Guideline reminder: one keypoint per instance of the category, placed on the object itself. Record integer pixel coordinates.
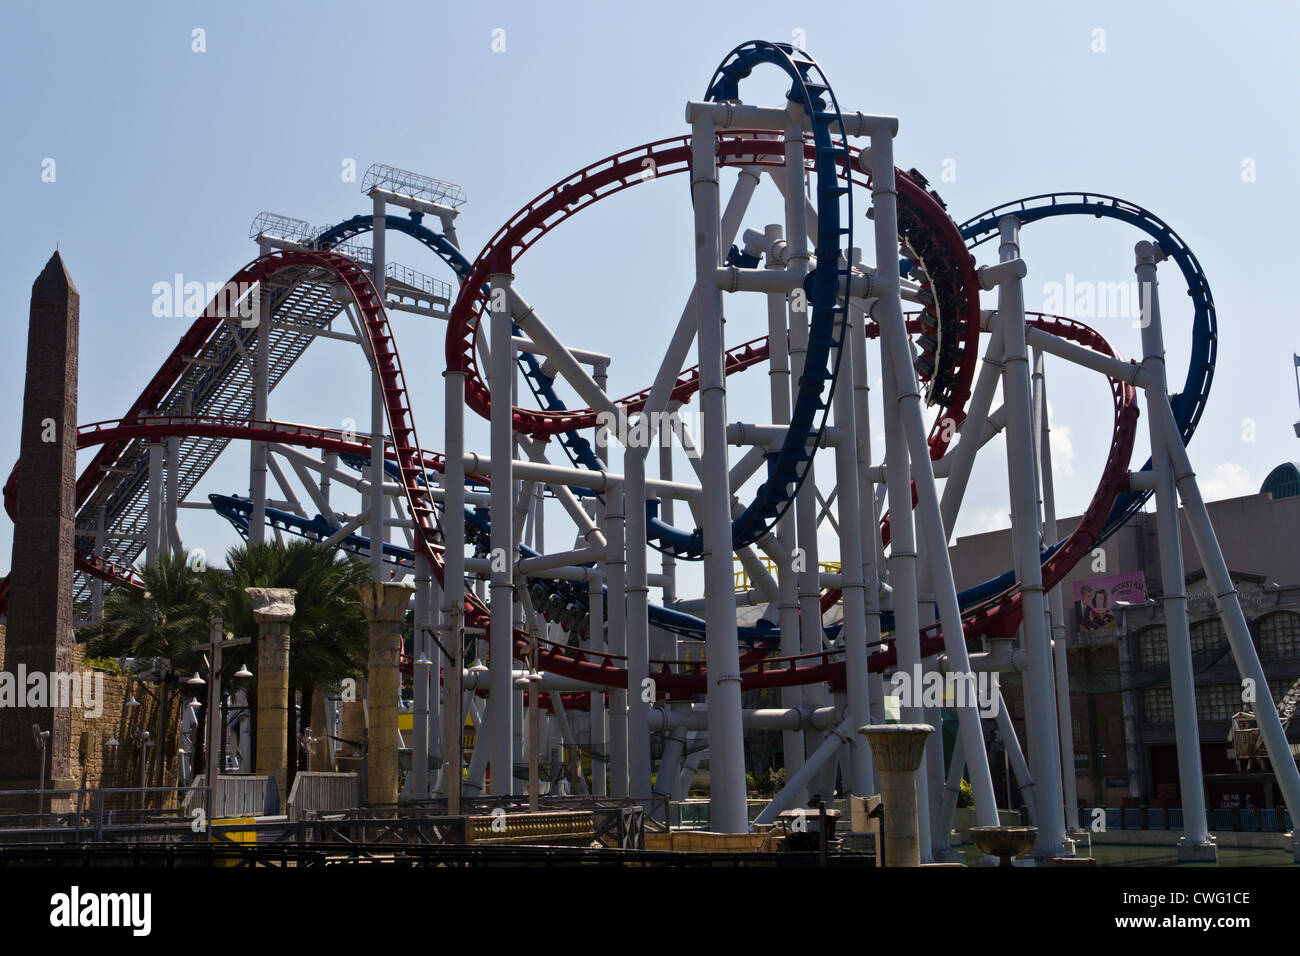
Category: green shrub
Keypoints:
(109, 665)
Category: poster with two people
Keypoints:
(1096, 598)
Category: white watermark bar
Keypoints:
(57, 689)
(476, 464)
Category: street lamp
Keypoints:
(216, 644)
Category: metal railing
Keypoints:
(91, 815)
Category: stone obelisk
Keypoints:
(39, 632)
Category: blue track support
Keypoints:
(788, 467)
(1187, 405)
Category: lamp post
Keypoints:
(143, 741)
(307, 741)
(212, 651)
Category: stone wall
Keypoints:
(93, 762)
(96, 764)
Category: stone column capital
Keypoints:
(271, 605)
(385, 601)
(897, 748)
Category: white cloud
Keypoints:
(1227, 480)
(992, 519)
(1062, 445)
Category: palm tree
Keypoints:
(166, 622)
(329, 634)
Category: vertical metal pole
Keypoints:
(1044, 740)
(419, 786)
(453, 536)
(868, 524)
(616, 578)
(171, 530)
(1271, 730)
(212, 715)
(903, 405)
(854, 633)
(807, 582)
(638, 623)
(1060, 659)
(674, 752)
(504, 553)
(778, 371)
(261, 402)
(903, 578)
(1181, 677)
(598, 637)
(727, 808)
(378, 500)
(154, 535)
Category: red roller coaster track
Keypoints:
(999, 615)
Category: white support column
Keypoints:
(616, 635)
(903, 416)
(419, 784)
(261, 401)
(453, 534)
(504, 552)
(727, 808)
(1026, 522)
(1242, 646)
(430, 627)
(903, 579)
(808, 585)
(598, 714)
(778, 371)
(1056, 603)
(171, 529)
(640, 690)
(1196, 840)
(854, 634)
(154, 535)
(597, 632)
(378, 531)
(1016, 759)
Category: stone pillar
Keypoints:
(39, 636)
(898, 750)
(385, 606)
(273, 611)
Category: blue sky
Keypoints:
(163, 156)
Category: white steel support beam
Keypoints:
(1026, 528)
(378, 503)
(504, 552)
(727, 813)
(453, 534)
(1182, 678)
(903, 412)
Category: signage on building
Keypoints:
(1248, 592)
(1096, 598)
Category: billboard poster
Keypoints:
(1096, 598)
